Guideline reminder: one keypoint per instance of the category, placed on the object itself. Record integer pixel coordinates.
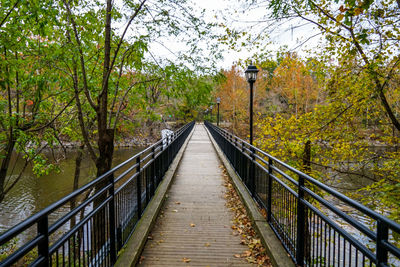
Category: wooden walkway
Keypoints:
(194, 227)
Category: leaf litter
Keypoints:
(187, 260)
(255, 252)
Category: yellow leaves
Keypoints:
(186, 260)
(339, 17)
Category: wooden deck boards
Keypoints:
(194, 227)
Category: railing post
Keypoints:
(300, 223)
(169, 150)
(235, 153)
(381, 251)
(111, 211)
(139, 188)
(269, 194)
(152, 172)
(243, 168)
(160, 163)
(146, 173)
(119, 237)
(43, 246)
(252, 172)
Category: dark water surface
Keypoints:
(32, 194)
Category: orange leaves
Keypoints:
(255, 252)
(293, 81)
(342, 9)
(234, 94)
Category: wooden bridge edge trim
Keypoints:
(277, 253)
(130, 253)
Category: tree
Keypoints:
(295, 85)
(340, 133)
(367, 31)
(29, 87)
(234, 100)
(118, 56)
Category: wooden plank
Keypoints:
(194, 227)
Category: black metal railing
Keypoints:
(99, 219)
(305, 214)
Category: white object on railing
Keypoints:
(164, 134)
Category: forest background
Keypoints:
(83, 72)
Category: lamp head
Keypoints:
(251, 73)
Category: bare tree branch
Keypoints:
(125, 95)
(81, 57)
(134, 15)
(9, 13)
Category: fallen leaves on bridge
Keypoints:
(242, 226)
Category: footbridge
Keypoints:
(165, 207)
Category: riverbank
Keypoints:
(145, 136)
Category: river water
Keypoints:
(31, 194)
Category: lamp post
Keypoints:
(251, 76)
(218, 101)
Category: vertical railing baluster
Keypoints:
(381, 251)
(300, 223)
(43, 245)
(139, 187)
(269, 196)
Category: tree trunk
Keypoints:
(78, 161)
(104, 161)
(307, 157)
(4, 166)
(387, 107)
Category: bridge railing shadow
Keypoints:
(98, 222)
(306, 215)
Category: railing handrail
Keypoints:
(35, 218)
(371, 213)
(237, 149)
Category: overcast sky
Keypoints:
(292, 34)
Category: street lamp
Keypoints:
(251, 76)
(218, 101)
